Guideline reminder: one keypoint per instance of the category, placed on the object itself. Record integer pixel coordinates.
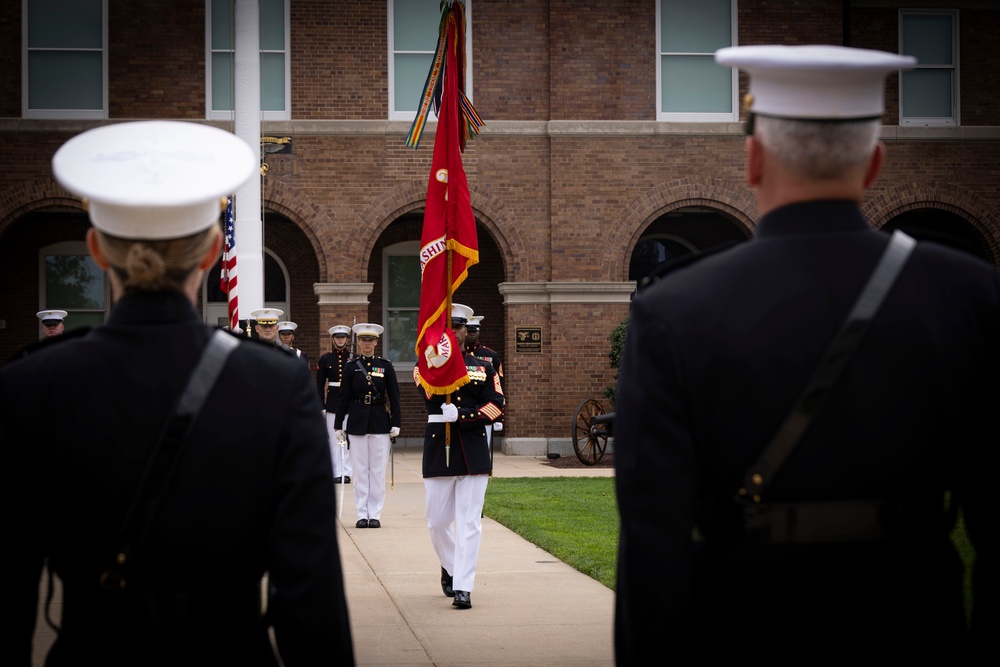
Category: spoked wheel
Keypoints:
(589, 439)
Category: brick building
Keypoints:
(612, 141)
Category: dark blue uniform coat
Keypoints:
(368, 388)
(479, 403)
(254, 494)
(715, 356)
(331, 369)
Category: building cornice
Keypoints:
(538, 128)
(566, 292)
(343, 294)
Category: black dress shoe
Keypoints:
(338, 480)
(347, 479)
(446, 582)
(463, 599)
(362, 523)
(374, 523)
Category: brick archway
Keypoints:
(308, 216)
(490, 212)
(903, 197)
(30, 196)
(665, 197)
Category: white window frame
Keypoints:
(214, 114)
(75, 248)
(431, 116)
(401, 249)
(730, 117)
(927, 121)
(84, 114)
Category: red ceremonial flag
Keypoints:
(448, 240)
(227, 277)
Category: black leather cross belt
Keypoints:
(836, 522)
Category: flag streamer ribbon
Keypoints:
(451, 41)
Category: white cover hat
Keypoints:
(815, 82)
(51, 314)
(287, 326)
(267, 315)
(475, 321)
(154, 179)
(367, 329)
(340, 330)
(461, 312)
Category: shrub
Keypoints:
(615, 355)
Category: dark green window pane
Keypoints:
(65, 80)
(401, 336)
(403, 281)
(223, 27)
(272, 82)
(73, 281)
(272, 25)
(415, 25)
(927, 93)
(65, 25)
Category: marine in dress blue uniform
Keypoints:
(329, 374)
(488, 354)
(368, 410)
(716, 354)
(455, 484)
(252, 494)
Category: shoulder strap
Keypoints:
(762, 472)
(163, 462)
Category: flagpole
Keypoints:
(447, 397)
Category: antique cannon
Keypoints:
(591, 428)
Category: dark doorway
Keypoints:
(946, 228)
(681, 232)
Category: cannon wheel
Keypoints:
(589, 440)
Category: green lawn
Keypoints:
(573, 518)
(576, 520)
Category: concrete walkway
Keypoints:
(528, 607)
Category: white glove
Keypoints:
(449, 412)
(341, 438)
(394, 431)
(497, 427)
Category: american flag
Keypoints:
(227, 277)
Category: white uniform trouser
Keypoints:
(370, 454)
(454, 519)
(340, 468)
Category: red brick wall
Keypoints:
(339, 60)
(603, 60)
(147, 84)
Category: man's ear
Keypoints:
(95, 250)
(874, 164)
(212, 256)
(755, 161)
